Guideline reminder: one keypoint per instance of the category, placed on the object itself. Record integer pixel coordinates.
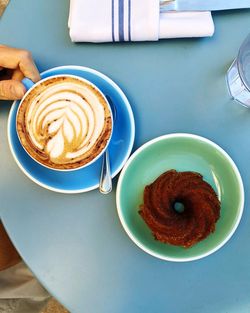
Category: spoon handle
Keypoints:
(105, 178)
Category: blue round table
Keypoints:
(75, 244)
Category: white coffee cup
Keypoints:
(64, 122)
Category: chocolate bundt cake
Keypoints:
(180, 208)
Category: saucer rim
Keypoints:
(132, 130)
(127, 228)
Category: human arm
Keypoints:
(8, 254)
(14, 65)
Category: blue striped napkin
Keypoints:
(133, 20)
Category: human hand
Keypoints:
(15, 64)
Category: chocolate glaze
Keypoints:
(201, 208)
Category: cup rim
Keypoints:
(89, 83)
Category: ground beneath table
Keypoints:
(54, 307)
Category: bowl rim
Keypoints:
(240, 206)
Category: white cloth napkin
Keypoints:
(133, 20)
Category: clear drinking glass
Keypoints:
(238, 75)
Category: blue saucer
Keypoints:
(87, 178)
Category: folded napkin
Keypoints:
(133, 20)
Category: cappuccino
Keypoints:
(64, 122)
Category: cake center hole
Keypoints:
(179, 207)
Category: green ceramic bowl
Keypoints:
(183, 152)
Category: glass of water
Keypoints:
(238, 75)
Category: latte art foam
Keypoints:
(66, 122)
(63, 123)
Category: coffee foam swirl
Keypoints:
(65, 121)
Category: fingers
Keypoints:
(13, 58)
(28, 67)
(17, 75)
(19, 63)
(11, 90)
